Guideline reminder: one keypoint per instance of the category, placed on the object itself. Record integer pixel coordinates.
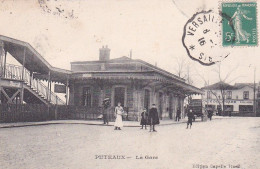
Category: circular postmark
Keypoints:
(201, 38)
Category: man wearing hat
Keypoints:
(153, 118)
(106, 105)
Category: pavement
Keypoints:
(95, 122)
(224, 142)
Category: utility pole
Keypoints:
(254, 105)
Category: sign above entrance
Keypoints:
(87, 75)
(59, 88)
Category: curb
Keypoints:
(93, 124)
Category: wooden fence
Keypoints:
(25, 112)
(40, 112)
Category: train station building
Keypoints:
(133, 82)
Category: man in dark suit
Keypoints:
(153, 118)
(106, 105)
(178, 115)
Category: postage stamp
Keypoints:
(239, 24)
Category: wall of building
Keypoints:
(236, 100)
(134, 97)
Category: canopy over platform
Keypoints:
(146, 77)
(25, 54)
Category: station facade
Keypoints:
(132, 82)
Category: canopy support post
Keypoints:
(23, 70)
(4, 63)
(67, 90)
(49, 87)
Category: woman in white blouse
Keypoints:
(118, 113)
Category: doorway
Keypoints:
(119, 96)
(146, 99)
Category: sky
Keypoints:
(152, 29)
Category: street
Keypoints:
(229, 143)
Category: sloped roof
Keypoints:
(123, 59)
(220, 85)
(242, 85)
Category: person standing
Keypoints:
(106, 105)
(210, 114)
(118, 113)
(190, 117)
(144, 118)
(153, 118)
(178, 115)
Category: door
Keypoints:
(119, 96)
(146, 99)
(87, 96)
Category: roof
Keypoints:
(34, 62)
(220, 85)
(242, 85)
(123, 59)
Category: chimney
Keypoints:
(104, 53)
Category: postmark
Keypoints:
(239, 26)
(201, 38)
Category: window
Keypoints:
(246, 95)
(87, 96)
(208, 95)
(229, 94)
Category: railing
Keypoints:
(15, 72)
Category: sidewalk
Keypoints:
(96, 122)
(84, 122)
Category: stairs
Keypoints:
(34, 90)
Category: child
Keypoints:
(190, 117)
(144, 118)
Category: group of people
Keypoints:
(150, 117)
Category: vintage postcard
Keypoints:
(129, 84)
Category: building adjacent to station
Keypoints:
(132, 82)
(239, 98)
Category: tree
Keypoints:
(223, 85)
(182, 70)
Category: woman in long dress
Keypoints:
(118, 113)
(241, 34)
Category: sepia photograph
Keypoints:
(129, 84)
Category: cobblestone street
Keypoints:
(233, 141)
